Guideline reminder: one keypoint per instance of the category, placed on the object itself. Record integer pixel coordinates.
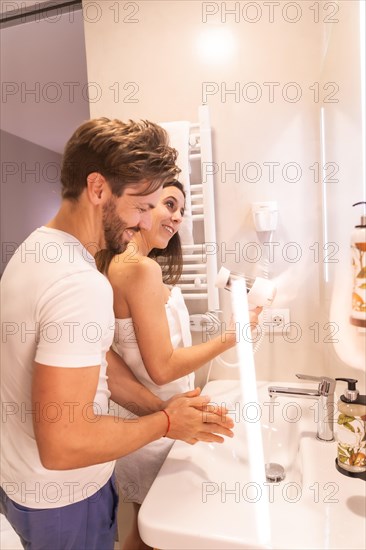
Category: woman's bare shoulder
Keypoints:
(134, 268)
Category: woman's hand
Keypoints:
(253, 321)
(253, 316)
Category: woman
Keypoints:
(152, 332)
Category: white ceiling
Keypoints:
(10, 5)
(48, 57)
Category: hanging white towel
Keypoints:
(179, 139)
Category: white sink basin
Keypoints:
(204, 496)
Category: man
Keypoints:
(59, 444)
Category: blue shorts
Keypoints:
(86, 525)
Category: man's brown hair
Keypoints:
(124, 153)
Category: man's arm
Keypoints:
(127, 391)
(77, 437)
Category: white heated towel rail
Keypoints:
(200, 263)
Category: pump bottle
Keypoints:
(358, 250)
(351, 432)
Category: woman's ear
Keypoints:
(97, 188)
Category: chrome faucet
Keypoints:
(325, 395)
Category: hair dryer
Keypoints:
(261, 292)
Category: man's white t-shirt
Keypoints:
(57, 310)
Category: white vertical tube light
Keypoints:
(324, 190)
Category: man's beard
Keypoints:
(113, 228)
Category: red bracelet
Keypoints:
(168, 428)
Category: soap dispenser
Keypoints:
(351, 432)
(358, 251)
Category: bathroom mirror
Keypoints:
(284, 83)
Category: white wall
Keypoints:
(7, 6)
(43, 79)
(42, 64)
(30, 190)
(149, 53)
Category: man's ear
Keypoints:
(97, 188)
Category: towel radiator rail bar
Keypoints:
(202, 195)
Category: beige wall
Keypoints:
(149, 53)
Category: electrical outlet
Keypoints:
(276, 319)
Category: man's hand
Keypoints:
(193, 418)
